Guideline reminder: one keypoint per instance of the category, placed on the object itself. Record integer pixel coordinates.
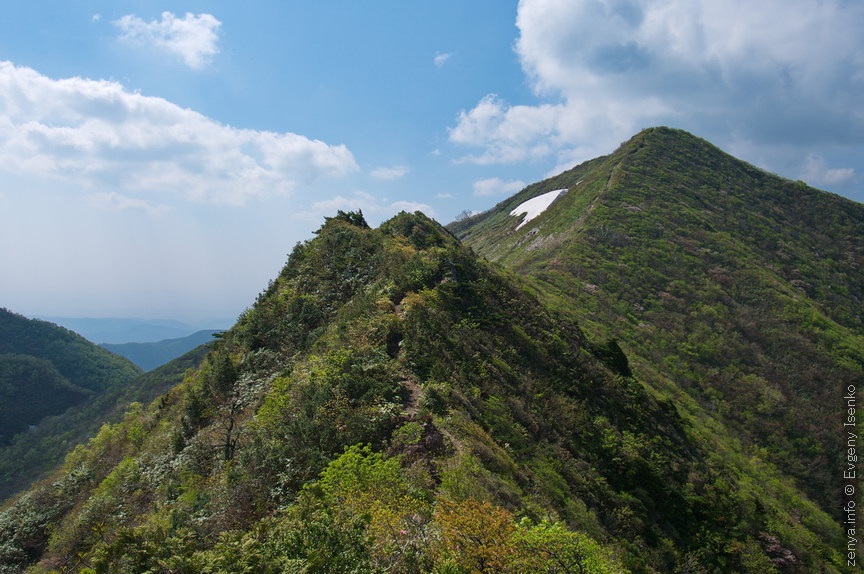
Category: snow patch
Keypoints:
(536, 205)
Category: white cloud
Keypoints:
(358, 200)
(98, 134)
(394, 172)
(443, 195)
(193, 37)
(116, 202)
(412, 206)
(440, 59)
(507, 133)
(95, 17)
(497, 186)
(375, 209)
(816, 172)
(788, 71)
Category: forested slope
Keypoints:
(45, 369)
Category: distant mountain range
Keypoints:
(148, 356)
(119, 330)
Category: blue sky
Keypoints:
(160, 159)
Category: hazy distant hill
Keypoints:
(148, 356)
(118, 330)
(80, 361)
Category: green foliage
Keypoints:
(479, 537)
(407, 435)
(422, 232)
(354, 218)
(549, 547)
(613, 357)
(475, 404)
(365, 484)
(344, 396)
(359, 469)
(221, 374)
(24, 526)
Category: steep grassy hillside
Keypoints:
(392, 403)
(739, 288)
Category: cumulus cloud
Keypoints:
(510, 133)
(192, 38)
(497, 186)
(394, 172)
(440, 59)
(816, 172)
(768, 72)
(97, 133)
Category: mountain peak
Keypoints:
(656, 169)
(667, 137)
(725, 280)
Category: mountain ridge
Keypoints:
(723, 279)
(391, 402)
(118, 330)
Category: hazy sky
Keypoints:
(160, 159)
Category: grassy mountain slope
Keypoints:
(739, 288)
(45, 369)
(148, 356)
(499, 439)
